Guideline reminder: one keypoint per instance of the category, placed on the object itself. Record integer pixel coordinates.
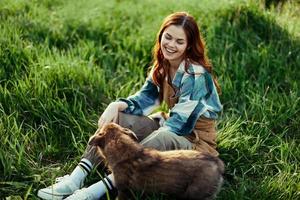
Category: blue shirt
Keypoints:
(197, 96)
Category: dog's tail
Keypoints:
(220, 168)
(219, 163)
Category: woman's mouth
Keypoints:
(169, 50)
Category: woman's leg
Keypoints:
(164, 140)
(141, 125)
(95, 191)
(148, 132)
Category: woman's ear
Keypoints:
(97, 141)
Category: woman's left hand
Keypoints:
(111, 113)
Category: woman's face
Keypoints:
(173, 44)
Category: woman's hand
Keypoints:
(160, 117)
(111, 112)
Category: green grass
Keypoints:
(62, 62)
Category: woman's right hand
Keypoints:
(111, 112)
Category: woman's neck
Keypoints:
(174, 65)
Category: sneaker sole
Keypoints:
(49, 196)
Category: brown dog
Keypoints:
(182, 174)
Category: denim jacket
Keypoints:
(197, 96)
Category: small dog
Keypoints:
(182, 174)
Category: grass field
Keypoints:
(62, 62)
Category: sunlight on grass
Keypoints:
(62, 62)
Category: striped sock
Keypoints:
(100, 188)
(108, 182)
(86, 165)
(81, 171)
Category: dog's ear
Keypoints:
(97, 140)
(130, 133)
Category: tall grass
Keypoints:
(62, 62)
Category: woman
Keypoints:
(181, 76)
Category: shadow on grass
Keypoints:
(256, 57)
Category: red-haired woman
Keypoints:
(181, 76)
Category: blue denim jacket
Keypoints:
(197, 97)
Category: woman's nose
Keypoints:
(172, 43)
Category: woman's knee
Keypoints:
(155, 140)
(142, 126)
(164, 136)
(166, 140)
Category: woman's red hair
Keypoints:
(195, 52)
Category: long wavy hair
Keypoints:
(195, 51)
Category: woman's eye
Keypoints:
(180, 42)
(168, 37)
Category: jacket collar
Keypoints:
(179, 74)
(192, 69)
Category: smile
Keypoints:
(169, 50)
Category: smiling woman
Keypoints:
(173, 44)
(181, 76)
(179, 39)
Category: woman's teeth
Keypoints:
(170, 51)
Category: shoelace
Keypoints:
(59, 179)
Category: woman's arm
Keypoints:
(141, 103)
(144, 101)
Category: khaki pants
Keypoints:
(146, 130)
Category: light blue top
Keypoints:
(197, 94)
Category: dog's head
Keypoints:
(109, 132)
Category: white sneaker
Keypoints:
(81, 194)
(63, 187)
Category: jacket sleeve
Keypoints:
(144, 101)
(190, 106)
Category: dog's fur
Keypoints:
(183, 174)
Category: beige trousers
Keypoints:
(146, 130)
